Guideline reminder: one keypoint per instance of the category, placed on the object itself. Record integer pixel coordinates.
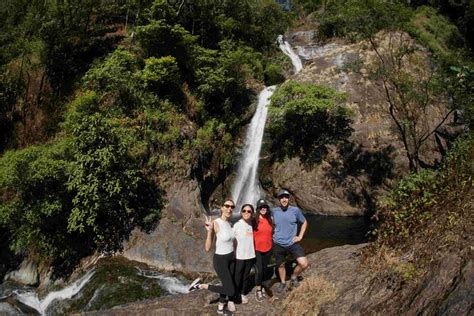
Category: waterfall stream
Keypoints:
(41, 305)
(246, 188)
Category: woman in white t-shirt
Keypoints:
(244, 252)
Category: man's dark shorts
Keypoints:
(281, 252)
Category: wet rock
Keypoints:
(27, 274)
(8, 310)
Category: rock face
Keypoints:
(178, 242)
(27, 274)
(347, 181)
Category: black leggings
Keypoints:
(224, 266)
(261, 268)
(242, 271)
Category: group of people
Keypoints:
(256, 235)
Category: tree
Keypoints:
(305, 119)
(410, 81)
(412, 92)
(111, 195)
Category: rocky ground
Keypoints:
(339, 264)
(354, 290)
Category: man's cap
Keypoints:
(283, 192)
(261, 203)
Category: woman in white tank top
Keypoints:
(221, 231)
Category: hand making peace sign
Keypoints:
(208, 223)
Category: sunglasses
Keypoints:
(229, 206)
(246, 211)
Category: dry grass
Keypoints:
(308, 298)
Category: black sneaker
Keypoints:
(259, 296)
(281, 288)
(195, 285)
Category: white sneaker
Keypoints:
(231, 306)
(195, 285)
(220, 308)
(244, 299)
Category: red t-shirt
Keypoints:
(263, 236)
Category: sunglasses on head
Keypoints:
(229, 206)
(246, 211)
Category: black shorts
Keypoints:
(281, 252)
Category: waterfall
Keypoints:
(288, 51)
(246, 188)
(31, 298)
(171, 284)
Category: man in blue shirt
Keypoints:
(286, 240)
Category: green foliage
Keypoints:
(132, 113)
(427, 195)
(111, 196)
(161, 73)
(305, 119)
(437, 33)
(212, 134)
(273, 74)
(362, 19)
(460, 12)
(158, 39)
(115, 282)
(254, 22)
(35, 198)
(220, 78)
(80, 194)
(462, 87)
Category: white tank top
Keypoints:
(224, 238)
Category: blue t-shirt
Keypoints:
(286, 224)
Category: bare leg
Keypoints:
(302, 265)
(282, 272)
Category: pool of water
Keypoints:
(330, 231)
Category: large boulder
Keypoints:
(27, 273)
(177, 244)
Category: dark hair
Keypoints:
(226, 200)
(256, 218)
(248, 204)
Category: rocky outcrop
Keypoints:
(177, 244)
(349, 179)
(446, 290)
(27, 273)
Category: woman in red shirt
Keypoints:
(262, 234)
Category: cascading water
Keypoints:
(286, 48)
(171, 284)
(246, 188)
(31, 298)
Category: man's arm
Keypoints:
(302, 231)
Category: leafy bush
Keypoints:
(77, 195)
(161, 73)
(111, 196)
(305, 119)
(437, 33)
(35, 200)
(273, 75)
(356, 19)
(423, 196)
